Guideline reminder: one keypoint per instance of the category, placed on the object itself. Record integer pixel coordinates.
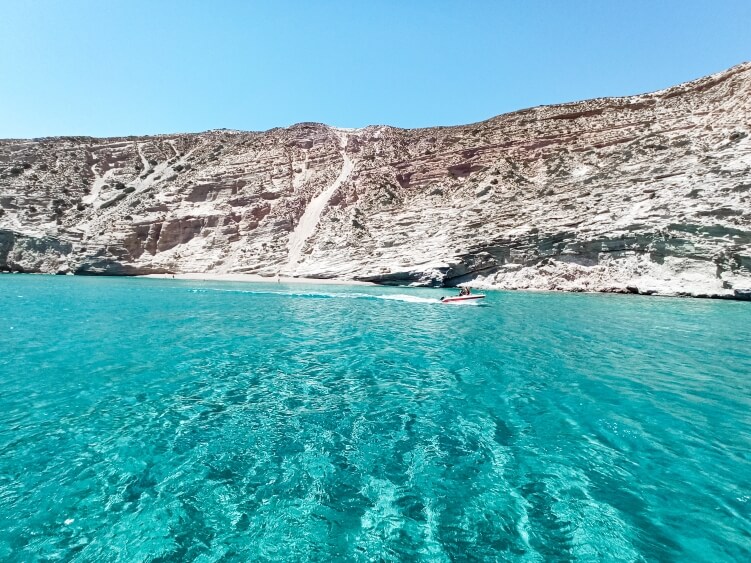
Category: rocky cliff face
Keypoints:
(648, 194)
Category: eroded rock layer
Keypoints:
(647, 194)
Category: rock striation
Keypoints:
(643, 194)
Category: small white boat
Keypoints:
(457, 299)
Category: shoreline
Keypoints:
(739, 295)
(252, 278)
(256, 278)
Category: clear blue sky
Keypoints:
(119, 67)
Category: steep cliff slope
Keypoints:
(648, 193)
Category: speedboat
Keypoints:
(457, 299)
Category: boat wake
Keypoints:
(323, 295)
(408, 298)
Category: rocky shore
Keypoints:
(647, 194)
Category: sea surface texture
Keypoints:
(161, 420)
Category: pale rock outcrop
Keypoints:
(642, 194)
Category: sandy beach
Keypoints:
(253, 278)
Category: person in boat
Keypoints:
(462, 292)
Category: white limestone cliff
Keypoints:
(641, 194)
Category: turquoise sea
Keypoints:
(163, 420)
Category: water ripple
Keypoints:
(153, 420)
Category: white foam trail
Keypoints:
(321, 294)
(326, 295)
(407, 298)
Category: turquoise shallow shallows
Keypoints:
(162, 420)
